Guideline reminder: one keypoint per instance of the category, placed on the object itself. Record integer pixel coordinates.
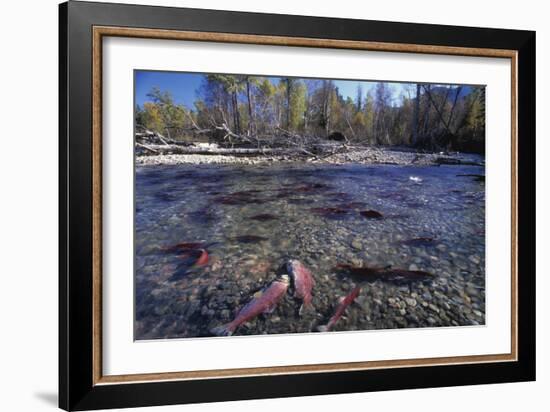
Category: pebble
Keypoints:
(474, 259)
(411, 302)
(477, 313)
(433, 307)
(356, 262)
(148, 249)
(456, 297)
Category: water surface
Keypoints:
(254, 218)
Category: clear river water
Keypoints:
(251, 219)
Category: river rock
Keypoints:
(411, 302)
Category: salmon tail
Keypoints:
(223, 330)
(305, 307)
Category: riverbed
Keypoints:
(251, 219)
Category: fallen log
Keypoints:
(147, 147)
(177, 149)
(453, 161)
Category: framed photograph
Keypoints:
(257, 205)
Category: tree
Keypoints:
(251, 123)
(349, 111)
(415, 116)
(326, 94)
(267, 110)
(233, 85)
(359, 97)
(297, 106)
(382, 101)
(368, 110)
(264, 100)
(289, 84)
(151, 118)
(162, 114)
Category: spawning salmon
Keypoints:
(344, 303)
(303, 282)
(265, 303)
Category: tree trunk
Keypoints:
(458, 90)
(415, 116)
(251, 121)
(288, 86)
(236, 113)
(438, 111)
(326, 109)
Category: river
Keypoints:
(252, 219)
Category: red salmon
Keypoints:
(203, 258)
(265, 303)
(303, 282)
(344, 303)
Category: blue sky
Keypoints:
(183, 86)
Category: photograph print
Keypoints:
(282, 205)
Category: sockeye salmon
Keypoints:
(189, 260)
(303, 282)
(203, 258)
(344, 303)
(265, 303)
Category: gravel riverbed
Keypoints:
(253, 219)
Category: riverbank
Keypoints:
(362, 155)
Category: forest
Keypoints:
(267, 112)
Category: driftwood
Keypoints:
(148, 137)
(235, 151)
(147, 147)
(313, 152)
(276, 142)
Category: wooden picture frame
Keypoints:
(82, 385)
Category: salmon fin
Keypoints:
(223, 330)
(305, 307)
